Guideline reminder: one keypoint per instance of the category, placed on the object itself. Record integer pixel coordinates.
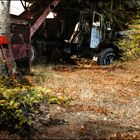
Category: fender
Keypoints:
(114, 45)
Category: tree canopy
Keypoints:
(118, 11)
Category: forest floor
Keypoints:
(105, 101)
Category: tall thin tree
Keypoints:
(4, 17)
(5, 30)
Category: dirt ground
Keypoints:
(105, 101)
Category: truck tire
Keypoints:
(106, 56)
(34, 55)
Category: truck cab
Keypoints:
(96, 39)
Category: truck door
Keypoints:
(96, 30)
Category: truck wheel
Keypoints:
(106, 56)
(34, 55)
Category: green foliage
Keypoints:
(131, 42)
(58, 100)
(119, 13)
(19, 104)
(3, 70)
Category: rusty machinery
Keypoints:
(24, 41)
(7, 64)
(23, 27)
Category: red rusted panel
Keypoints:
(22, 33)
(21, 50)
(4, 40)
(20, 39)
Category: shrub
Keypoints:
(131, 42)
(18, 104)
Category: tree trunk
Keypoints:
(5, 23)
(4, 17)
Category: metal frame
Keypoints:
(42, 17)
(25, 6)
(23, 50)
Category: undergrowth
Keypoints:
(19, 104)
(131, 42)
